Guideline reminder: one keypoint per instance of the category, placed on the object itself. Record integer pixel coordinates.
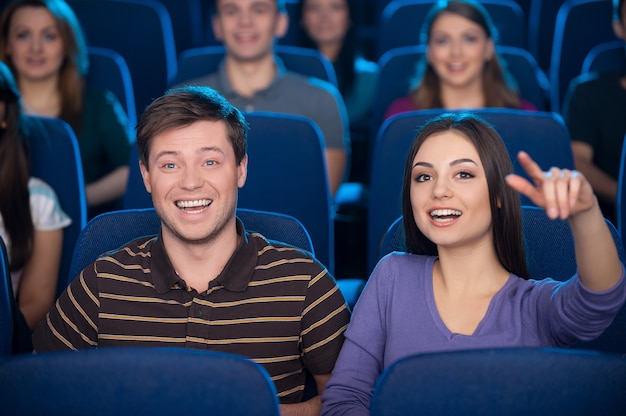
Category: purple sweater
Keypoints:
(396, 317)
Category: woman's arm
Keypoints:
(38, 283)
(567, 194)
(108, 188)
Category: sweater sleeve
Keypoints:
(360, 362)
(568, 312)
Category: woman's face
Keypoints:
(34, 44)
(458, 49)
(326, 21)
(449, 192)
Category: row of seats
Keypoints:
(160, 381)
(304, 192)
(151, 50)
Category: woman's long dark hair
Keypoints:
(349, 52)
(506, 214)
(498, 87)
(14, 175)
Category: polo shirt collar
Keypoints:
(229, 93)
(235, 276)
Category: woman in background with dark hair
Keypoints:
(31, 220)
(464, 282)
(331, 27)
(460, 69)
(43, 44)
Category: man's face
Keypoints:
(194, 179)
(248, 28)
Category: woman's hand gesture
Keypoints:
(563, 193)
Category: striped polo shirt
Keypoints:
(272, 302)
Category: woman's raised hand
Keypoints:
(563, 193)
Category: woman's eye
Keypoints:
(423, 177)
(470, 39)
(465, 175)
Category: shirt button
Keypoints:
(198, 313)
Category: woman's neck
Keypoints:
(471, 96)
(467, 271)
(330, 50)
(41, 98)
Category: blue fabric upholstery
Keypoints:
(542, 381)
(579, 26)
(141, 381)
(397, 67)
(201, 61)
(543, 135)
(108, 70)
(113, 229)
(606, 57)
(55, 158)
(139, 30)
(401, 22)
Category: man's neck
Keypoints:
(199, 264)
(248, 77)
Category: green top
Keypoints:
(103, 137)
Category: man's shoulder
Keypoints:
(133, 252)
(311, 84)
(594, 83)
(209, 80)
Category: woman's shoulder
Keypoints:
(400, 261)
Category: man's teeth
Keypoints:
(200, 203)
(444, 212)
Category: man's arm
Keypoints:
(336, 165)
(603, 184)
(312, 406)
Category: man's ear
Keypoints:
(619, 30)
(145, 174)
(217, 28)
(282, 25)
(242, 172)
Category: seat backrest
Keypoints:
(398, 66)
(7, 303)
(549, 249)
(112, 230)
(108, 70)
(401, 22)
(55, 158)
(541, 18)
(511, 381)
(154, 381)
(286, 174)
(605, 57)
(139, 30)
(543, 135)
(187, 23)
(580, 25)
(198, 62)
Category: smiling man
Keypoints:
(253, 78)
(205, 282)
